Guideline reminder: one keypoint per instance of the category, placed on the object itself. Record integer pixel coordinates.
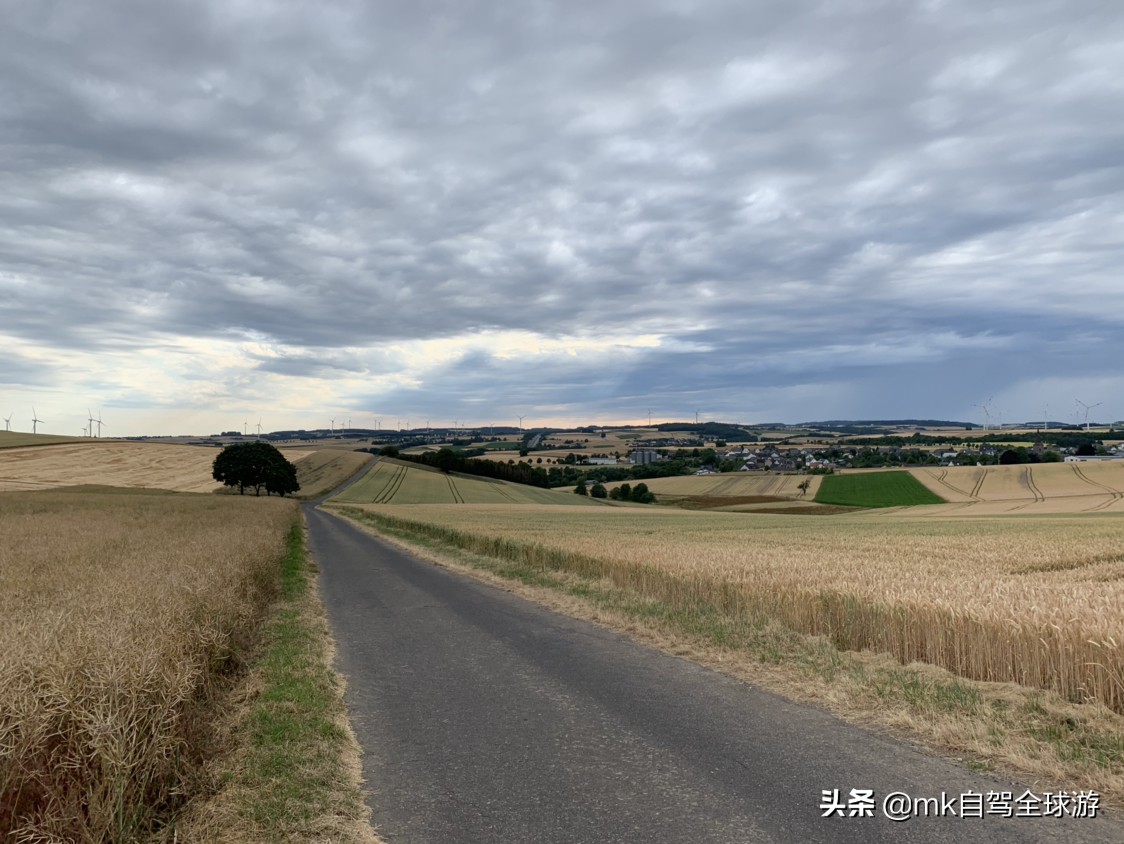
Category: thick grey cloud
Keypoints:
(884, 208)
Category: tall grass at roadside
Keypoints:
(119, 617)
(1035, 602)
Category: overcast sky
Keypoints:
(213, 212)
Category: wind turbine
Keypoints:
(98, 422)
(259, 426)
(90, 422)
(696, 417)
(521, 418)
(35, 420)
(8, 423)
(1045, 417)
(333, 428)
(1088, 407)
(986, 408)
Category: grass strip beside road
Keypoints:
(1031, 732)
(875, 489)
(295, 773)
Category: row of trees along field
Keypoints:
(448, 459)
(254, 466)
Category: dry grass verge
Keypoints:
(1034, 732)
(120, 618)
(293, 772)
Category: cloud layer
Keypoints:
(566, 210)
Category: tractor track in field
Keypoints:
(1114, 494)
(942, 480)
(975, 493)
(393, 484)
(1026, 478)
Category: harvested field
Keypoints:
(1029, 489)
(393, 482)
(183, 468)
(321, 470)
(18, 439)
(119, 617)
(1034, 601)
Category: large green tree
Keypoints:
(253, 466)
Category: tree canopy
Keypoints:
(255, 465)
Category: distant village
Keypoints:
(774, 458)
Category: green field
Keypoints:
(511, 445)
(875, 489)
(395, 482)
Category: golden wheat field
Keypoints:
(1038, 601)
(118, 612)
(181, 468)
(1027, 489)
(108, 463)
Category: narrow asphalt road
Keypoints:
(486, 718)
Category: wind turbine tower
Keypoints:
(986, 408)
(89, 422)
(8, 423)
(1087, 408)
(98, 422)
(259, 426)
(35, 420)
(521, 418)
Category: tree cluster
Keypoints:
(450, 460)
(639, 493)
(625, 492)
(253, 466)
